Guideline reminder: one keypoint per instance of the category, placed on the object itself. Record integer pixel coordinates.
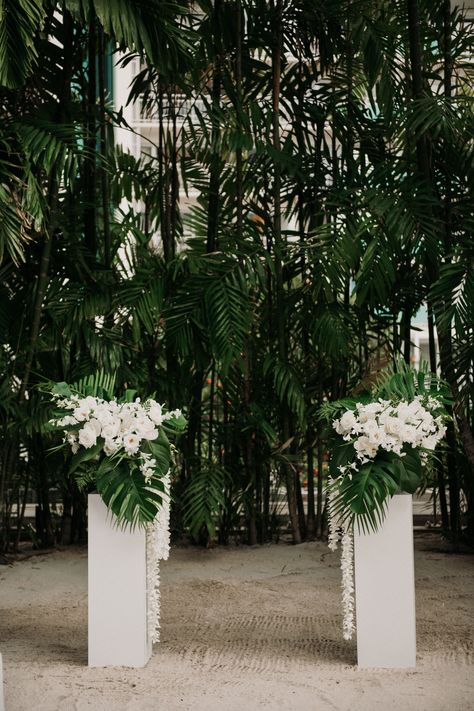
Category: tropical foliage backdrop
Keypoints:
(350, 122)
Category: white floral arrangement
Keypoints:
(121, 448)
(390, 426)
(379, 446)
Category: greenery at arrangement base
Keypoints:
(380, 443)
(120, 447)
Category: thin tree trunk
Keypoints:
(90, 167)
(103, 149)
(278, 248)
(239, 109)
(311, 513)
(44, 519)
(300, 504)
(215, 162)
(319, 499)
(21, 511)
(41, 288)
(432, 341)
(211, 412)
(439, 464)
(407, 335)
(174, 177)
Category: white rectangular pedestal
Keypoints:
(118, 633)
(385, 590)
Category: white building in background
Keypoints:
(420, 339)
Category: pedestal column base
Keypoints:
(385, 590)
(118, 630)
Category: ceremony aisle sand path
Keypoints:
(242, 629)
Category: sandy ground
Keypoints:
(242, 628)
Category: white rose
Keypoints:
(366, 415)
(81, 413)
(96, 426)
(155, 413)
(392, 425)
(364, 448)
(370, 426)
(348, 421)
(111, 430)
(376, 437)
(403, 410)
(127, 422)
(90, 401)
(87, 436)
(111, 446)
(145, 428)
(103, 414)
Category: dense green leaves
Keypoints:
(127, 495)
(204, 500)
(263, 264)
(147, 26)
(20, 21)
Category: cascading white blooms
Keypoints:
(157, 549)
(338, 531)
(380, 425)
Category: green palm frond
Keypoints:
(333, 330)
(20, 21)
(49, 145)
(360, 498)
(287, 385)
(127, 495)
(203, 499)
(361, 501)
(226, 304)
(148, 26)
(99, 384)
(399, 381)
(14, 223)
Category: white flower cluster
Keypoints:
(337, 531)
(347, 584)
(334, 524)
(157, 548)
(388, 426)
(121, 426)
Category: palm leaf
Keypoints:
(361, 500)
(14, 222)
(126, 493)
(20, 21)
(204, 499)
(99, 384)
